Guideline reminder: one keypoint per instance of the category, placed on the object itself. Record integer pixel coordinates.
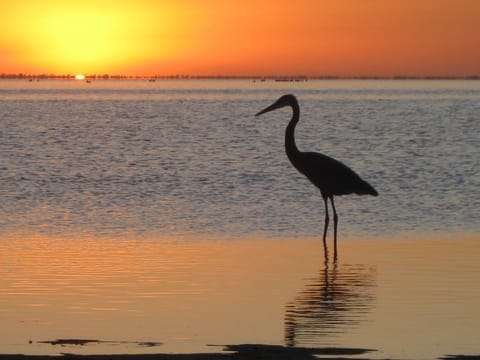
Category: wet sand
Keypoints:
(246, 351)
(240, 352)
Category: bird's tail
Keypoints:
(366, 189)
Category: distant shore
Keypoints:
(31, 77)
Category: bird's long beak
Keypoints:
(272, 107)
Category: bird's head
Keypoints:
(285, 100)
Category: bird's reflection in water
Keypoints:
(336, 301)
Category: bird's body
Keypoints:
(331, 176)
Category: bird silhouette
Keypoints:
(331, 176)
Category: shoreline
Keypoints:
(234, 352)
(243, 351)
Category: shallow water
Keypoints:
(409, 299)
(189, 157)
(135, 212)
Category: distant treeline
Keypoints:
(226, 77)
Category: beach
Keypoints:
(247, 351)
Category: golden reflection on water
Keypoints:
(407, 298)
(333, 302)
(184, 294)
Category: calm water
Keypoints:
(189, 157)
(166, 212)
(407, 299)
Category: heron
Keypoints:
(329, 175)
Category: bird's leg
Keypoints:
(325, 225)
(335, 223)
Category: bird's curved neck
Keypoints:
(290, 145)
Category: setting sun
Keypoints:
(80, 77)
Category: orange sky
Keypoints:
(248, 37)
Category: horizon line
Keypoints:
(46, 76)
